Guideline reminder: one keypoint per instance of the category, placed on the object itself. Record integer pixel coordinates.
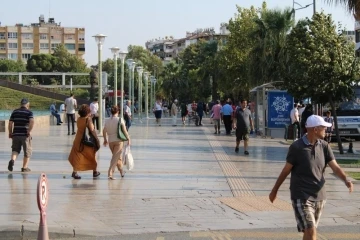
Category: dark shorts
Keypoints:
(24, 142)
(242, 134)
(307, 213)
(158, 114)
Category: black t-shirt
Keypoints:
(309, 163)
(21, 118)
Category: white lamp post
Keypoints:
(133, 66)
(122, 56)
(140, 71)
(146, 80)
(129, 63)
(100, 39)
(153, 80)
(115, 51)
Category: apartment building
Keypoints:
(163, 48)
(21, 41)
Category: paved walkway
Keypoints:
(186, 179)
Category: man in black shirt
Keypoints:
(20, 126)
(306, 161)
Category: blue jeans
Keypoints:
(58, 119)
(128, 124)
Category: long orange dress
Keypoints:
(82, 157)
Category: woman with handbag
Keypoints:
(115, 134)
(83, 153)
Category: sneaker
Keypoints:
(25, 170)
(236, 149)
(11, 165)
(58, 124)
(215, 132)
(73, 133)
(68, 133)
(246, 153)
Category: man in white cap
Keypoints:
(174, 112)
(306, 161)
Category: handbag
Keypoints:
(89, 139)
(129, 160)
(120, 133)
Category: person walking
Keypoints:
(243, 124)
(226, 114)
(158, 111)
(184, 112)
(295, 119)
(94, 110)
(329, 130)
(216, 112)
(21, 124)
(200, 111)
(308, 111)
(174, 112)
(116, 145)
(306, 160)
(83, 157)
(127, 115)
(55, 113)
(70, 106)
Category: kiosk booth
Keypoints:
(271, 110)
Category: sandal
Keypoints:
(96, 174)
(75, 175)
(122, 173)
(112, 178)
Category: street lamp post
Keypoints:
(133, 87)
(122, 56)
(129, 62)
(146, 79)
(115, 51)
(153, 80)
(140, 72)
(302, 7)
(100, 38)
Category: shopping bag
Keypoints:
(129, 160)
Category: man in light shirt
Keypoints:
(70, 106)
(174, 112)
(216, 116)
(295, 119)
(94, 108)
(127, 115)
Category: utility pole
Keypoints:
(314, 5)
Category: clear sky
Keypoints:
(133, 22)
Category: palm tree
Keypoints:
(352, 5)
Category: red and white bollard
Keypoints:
(42, 200)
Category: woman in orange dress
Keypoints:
(82, 157)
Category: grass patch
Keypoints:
(10, 100)
(348, 161)
(354, 175)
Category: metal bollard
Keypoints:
(42, 200)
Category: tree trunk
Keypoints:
(336, 126)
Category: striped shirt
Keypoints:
(21, 118)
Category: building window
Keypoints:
(12, 56)
(2, 35)
(27, 46)
(81, 47)
(27, 36)
(54, 45)
(2, 56)
(357, 36)
(12, 35)
(2, 46)
(13, 45)
(44, 46)
(43, 36)
(26, 56)
(69, 36)
(81, 37)
(70, 46)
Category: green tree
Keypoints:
(352, 5)
(7, 65)
(41, 63)
(321, 63)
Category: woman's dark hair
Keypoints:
(308, 107)
(114, 109)
(84, 110)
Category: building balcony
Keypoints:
(81, 49)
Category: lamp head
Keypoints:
(100, 38)
(129, 62)
(115, 50)
(122, 55)
(139, 70)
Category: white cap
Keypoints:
(175, 100)
(315, 121)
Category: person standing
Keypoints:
(55, 113)
(158, 111)
(200, 111)
(306, 160)
(94, 110)
(216, 112)
(308, 111)
(20, 126)
(329, 130)
(227, 113)
(116, 145)
(243, 124)
(295, 119)
(82, 157)
(174, 112)
(127, 115)
(70, 106)
(184, 112)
